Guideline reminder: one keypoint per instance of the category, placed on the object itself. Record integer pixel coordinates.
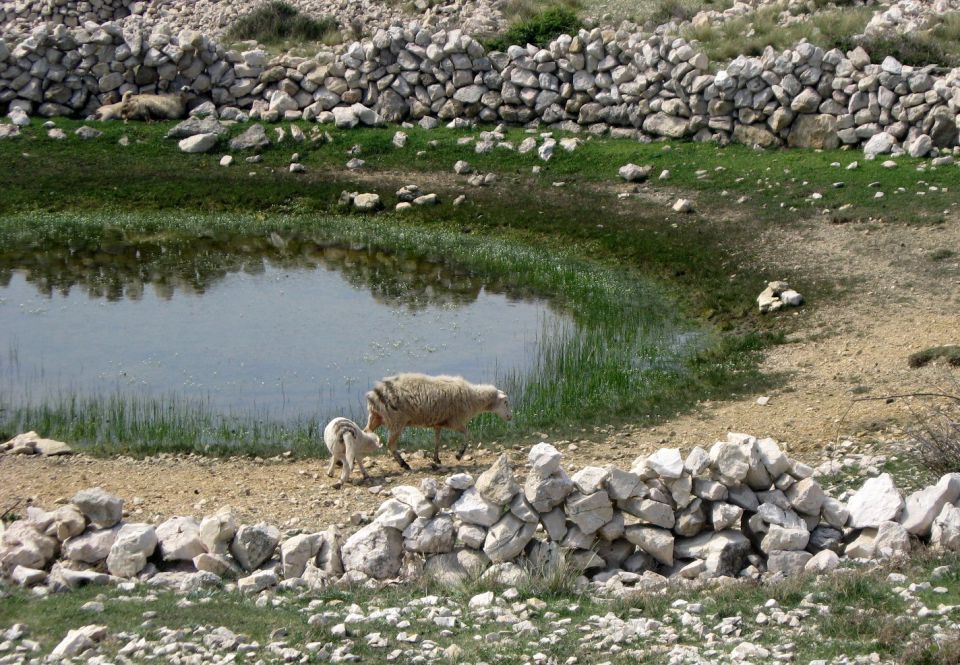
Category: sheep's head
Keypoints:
(373, 440)
(501, 406)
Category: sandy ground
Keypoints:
(900, 301)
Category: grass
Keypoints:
(537, 27)
(937, 43)
(275, 22)
(750, 34)
(703, 263)
(853, 613)
(949, 354)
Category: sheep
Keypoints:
(348, 444)
(439, 402)
(109, 112)
(154, 107)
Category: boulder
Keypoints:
(806, 496)
(430, 535)
(879, 144)
(395, 514)
(22, 544)
(823, 561)
(589, 511)
(254, 138)
(375, 550)
(667, 462)
(544, 459)
(91, 547)
(194, 125)
(923, 506)
(367, 202)
(634, 173)
(789, 563)
(252, 545)
(416, 499)
(296, 552)
(257, 582)
(658, 543)
(945, 531)
(129, 553)
(876, 502)
(497, 484)
(456, 568)
(507, 538)
(811, 130)
(623, 485)
(217, 531)
(546, 492)
(99, 506)
(782, 538)
(198, 143)
(725, 551)
(590, 479)
(179, 539)
(473, 508)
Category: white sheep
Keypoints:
(154, 107)
(439, 402)
(348, 445)
(109, 112)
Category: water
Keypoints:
(256, 326)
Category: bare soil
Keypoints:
(892, 299)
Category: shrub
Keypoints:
(936, 434)
(950, 353)
(277, 21)
(538, 29)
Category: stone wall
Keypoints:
(20, 15)
(741, 509)
(598, 80)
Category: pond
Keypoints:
(269, 326)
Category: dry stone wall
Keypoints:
(740, 509)
(21, 15)
(597, 80)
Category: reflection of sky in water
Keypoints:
(291, 341)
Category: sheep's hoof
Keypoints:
(337, 485)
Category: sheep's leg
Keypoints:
(333, 463)
(436, 446)
(373, 421)
(392, 447)
(463, 448)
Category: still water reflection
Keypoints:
(281, 327)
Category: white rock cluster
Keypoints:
(599, 80)
(742, 508)
(909, 16)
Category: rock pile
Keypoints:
(776, 296)
(742, 508)
(599, 80)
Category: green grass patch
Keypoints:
(537, 28)
(276, 22)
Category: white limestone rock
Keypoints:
(179, 539)
(129, 553)
(923, 506)
(254, 544)
(375, 550)
(876, 502)
(99, 506)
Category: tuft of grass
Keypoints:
(949, 354)
(752, 33)
(277, 21)
(938, 43)
(537, 29)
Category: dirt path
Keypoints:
(901, 301)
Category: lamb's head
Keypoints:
(371, 441)
(501, 406)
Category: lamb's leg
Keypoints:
(463, 430)
(347, 467)
(436, 446)
(333, 463)
(392, 447)
(366, 476)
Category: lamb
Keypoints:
(348, 444)
(109, 112)
(439, 402)
(154, 107)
